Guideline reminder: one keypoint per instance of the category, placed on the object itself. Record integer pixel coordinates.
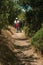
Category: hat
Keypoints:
(16, 18)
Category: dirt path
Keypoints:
(24, 50)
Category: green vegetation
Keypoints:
(14, 11)
(30, 11)
(4, 10)
(34, 18)
(8, 12)
(37, 40)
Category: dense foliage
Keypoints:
(4, 13)
(14, 11)
(34, 17)
(37, 40)
(8, 11)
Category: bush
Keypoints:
(29, 32)
(37, 40)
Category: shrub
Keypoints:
(29, 32)
(37, 40)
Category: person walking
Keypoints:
(21, 25)
(16, 23)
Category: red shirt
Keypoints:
(17, 25)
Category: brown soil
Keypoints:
(23, 48)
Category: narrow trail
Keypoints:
(24, 50)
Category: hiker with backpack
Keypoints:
(16, 24)
(20, 25)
